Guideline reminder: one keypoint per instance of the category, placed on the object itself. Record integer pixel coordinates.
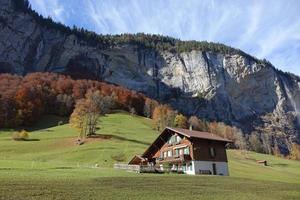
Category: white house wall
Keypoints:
(221, 167)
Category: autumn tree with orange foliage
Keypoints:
(295, 152)
(181, 121)
(163, 116)
(78, 118)
(87, 111)
(149, 107)
(29, 105)
(24, 99)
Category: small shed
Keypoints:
(264, 162)
(137, 160)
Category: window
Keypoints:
(169, 153)
(212, 152)
(174, 139)
(177, 138)
(170, 140)
(186, 151)
(161, 154)
(165, 154)
(176, 152)
(180, 151)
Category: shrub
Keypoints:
(21, 135)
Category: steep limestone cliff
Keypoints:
(228, 87)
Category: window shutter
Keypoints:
(212, 152)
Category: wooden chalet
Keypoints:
(186, 151)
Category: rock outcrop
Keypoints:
(231, 88)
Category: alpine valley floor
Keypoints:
(52, 166)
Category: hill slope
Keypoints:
(211, 81)
(53, 167)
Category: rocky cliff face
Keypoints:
(231, 88)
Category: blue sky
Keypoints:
(265, 28)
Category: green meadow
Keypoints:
(52, 166)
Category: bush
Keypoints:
(21, 135)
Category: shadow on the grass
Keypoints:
(104, 136)
(46, 122)
(279, 165)
(32, 140)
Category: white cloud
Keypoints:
(255, 12)
(52, 8)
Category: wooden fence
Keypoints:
(135, 168)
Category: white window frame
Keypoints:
(186, 149)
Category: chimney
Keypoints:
(191, 127)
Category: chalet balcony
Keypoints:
(174, 159)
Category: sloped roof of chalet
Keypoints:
(165, 134)
(136, 156)
(199, 134)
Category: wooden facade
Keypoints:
(202, 150)
(188, 151)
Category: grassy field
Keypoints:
(52, 166)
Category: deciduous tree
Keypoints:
(255, 143)
(87, 111)
(160, 117)
(295, 152)
(180, 121)
(195, 123)
(78, 118)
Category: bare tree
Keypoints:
(239, 138)
(195, 123)
(255, 143)
(266, 143)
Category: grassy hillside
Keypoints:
(52, 166)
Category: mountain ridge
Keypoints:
(152, 41)
(212, 81)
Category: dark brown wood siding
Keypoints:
(201, 150)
